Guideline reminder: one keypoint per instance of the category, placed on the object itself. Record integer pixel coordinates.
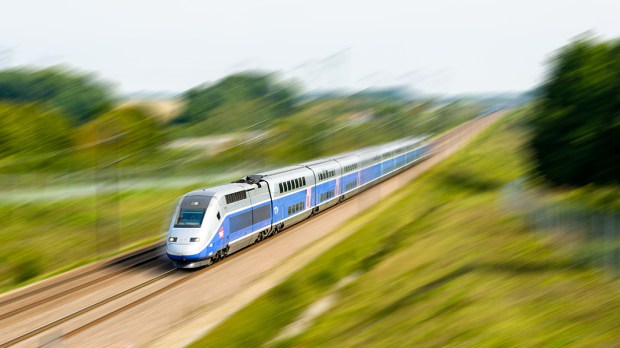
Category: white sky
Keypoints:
(433, 46)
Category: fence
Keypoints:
(589, 236)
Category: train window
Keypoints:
(190, 218)
(296, 183)
(261, 213)
(289, 210)
(280, 184)
(304, 180)
(218, 215)
(241, 221)
(288, 184)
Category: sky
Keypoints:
(439, 46)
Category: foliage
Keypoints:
(28, 130)
(80, 96)
(577, 127)
(443, 266)
(238, 101)
(120, 133)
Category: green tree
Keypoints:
(120, 133)
(80, 96)
(31, 129)
(577, 126)
(206, 102)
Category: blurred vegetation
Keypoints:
(79, 96)
(439, 264)
(31, 129)
(120, 133)
(82, 176)
(266, 120)
(576, 138)
(236, 102)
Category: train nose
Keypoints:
(181, 249)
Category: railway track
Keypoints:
(186, 275)
(48, 292)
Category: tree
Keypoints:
(32, 129)
(120, 133)
(79, 96)
(577, 126)
(207, 101)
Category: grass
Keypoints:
(444, 265)
(41, 238)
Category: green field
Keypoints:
(43, 237)
(446, 264)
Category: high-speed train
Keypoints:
(211, 223)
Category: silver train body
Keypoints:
(211, 223)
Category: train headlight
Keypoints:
(172, 239)
(194, 239)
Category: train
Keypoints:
(211, 223)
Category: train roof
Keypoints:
(281, 170)
(341, 156)
(220, 190)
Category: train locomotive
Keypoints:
(211, 223)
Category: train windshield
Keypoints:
(190, 218)
(192, 211)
